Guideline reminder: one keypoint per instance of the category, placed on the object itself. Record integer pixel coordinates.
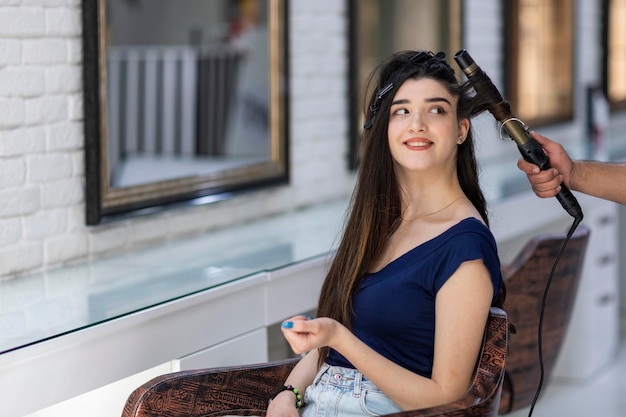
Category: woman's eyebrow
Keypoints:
(427, 100)
(400, 101)
(437, 99)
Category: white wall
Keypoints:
(41, 138)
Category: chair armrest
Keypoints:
(240, 390)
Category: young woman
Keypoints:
(404, 306)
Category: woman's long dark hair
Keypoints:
(375, 206)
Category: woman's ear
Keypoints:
(464, 126)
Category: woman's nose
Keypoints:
(417, 123)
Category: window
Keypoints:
(539, 57)
(381, 27)
(615, 52)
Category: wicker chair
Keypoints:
(525, 279)
(245, 390)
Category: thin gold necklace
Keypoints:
(434, 212)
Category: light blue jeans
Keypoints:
(342, 392)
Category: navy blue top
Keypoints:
(394, 308)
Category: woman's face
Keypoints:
(423, 130)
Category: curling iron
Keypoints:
(517, 130)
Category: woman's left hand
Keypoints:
(305, 334)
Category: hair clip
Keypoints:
(379, 95)
(376, 104)
(423, 56)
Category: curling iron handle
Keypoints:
(532, 152)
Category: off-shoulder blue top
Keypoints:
(394, 308)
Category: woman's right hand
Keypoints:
(305, 334)
(283, 405)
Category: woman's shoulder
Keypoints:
(468, 225)
(466, 218)
(465, 234)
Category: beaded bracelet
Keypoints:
(296, 391)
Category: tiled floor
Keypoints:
(602, 396)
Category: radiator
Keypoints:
(171, 101)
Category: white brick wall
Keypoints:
(41, 138)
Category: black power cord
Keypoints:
(543, 307)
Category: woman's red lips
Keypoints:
(418, 143)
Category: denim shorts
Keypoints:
(339, 392)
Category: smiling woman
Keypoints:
(183, 101)
(402, 310)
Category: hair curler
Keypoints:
(518, 131)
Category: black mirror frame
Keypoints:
(104, 203)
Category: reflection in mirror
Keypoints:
(382, 27)
(540, 60)
(183, 99)
(614, 16)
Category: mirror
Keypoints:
(184, 102)
(379, 28)
(539, 60)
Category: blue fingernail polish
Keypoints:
(287, 324)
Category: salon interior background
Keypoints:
(42, 140)
(42, 152)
